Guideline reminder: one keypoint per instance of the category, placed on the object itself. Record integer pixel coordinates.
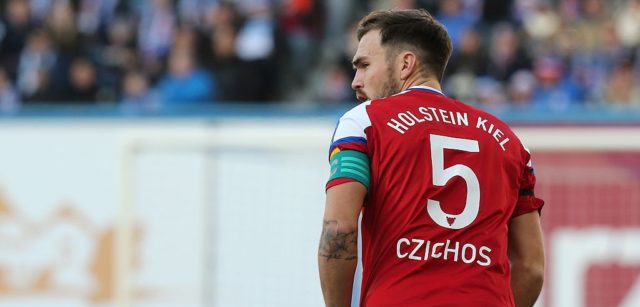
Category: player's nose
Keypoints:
(357, 82)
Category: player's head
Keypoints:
(396, 48)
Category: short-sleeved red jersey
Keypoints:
(446, 178)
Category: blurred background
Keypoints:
(174, 152)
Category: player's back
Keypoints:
(445, 180)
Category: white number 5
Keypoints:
(442, 175)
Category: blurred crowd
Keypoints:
(145, 54)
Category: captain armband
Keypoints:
(351, 164)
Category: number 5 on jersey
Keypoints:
(442, 175)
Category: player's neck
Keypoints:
(421, 81)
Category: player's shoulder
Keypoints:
(358, 113)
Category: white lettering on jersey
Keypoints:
(497, 134)
(487, 260)
(415, 250)
(398, 247)
(403, 121)
(453, 251)
(393, 123)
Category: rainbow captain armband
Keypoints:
(350, 164)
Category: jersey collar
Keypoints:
(426, 89)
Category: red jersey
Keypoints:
(445, 179)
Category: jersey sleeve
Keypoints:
(348, 153)
(527, 201)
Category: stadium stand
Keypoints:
(549, 54)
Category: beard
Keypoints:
(390, 87)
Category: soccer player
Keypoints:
(449, 217)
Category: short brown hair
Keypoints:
(415, 30)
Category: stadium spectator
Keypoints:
(334, 87)
(63, 30)
(506, 55)
(255, 40)
(136, 94)
(37, 56)
(117, 55)
(569, 10)
(83, 83)
(521, 88)
(185, 38)
(347, 50)
(489, 93)
(591, 24)
(463, 86)
(497, 11)
(623, 87)
(337, 21)
(339, 72)
(541, 23)
(155, 32)
(469, 61)
(15, 27)
(470, 56)
(456, 18)
(44, 92)
(40, 9)
(195, 11)
(256, 45)
(556, 90)
(92, 15)
(232, 73)
(9, 98)
(301, 22)
(628, 23)
(185, 82)
(224, 14)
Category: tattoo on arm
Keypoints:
(336, 244)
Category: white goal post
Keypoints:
(299, 137)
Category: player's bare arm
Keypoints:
(338, 249)
(337, 243)
(526, 254)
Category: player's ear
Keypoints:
(408, 64)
